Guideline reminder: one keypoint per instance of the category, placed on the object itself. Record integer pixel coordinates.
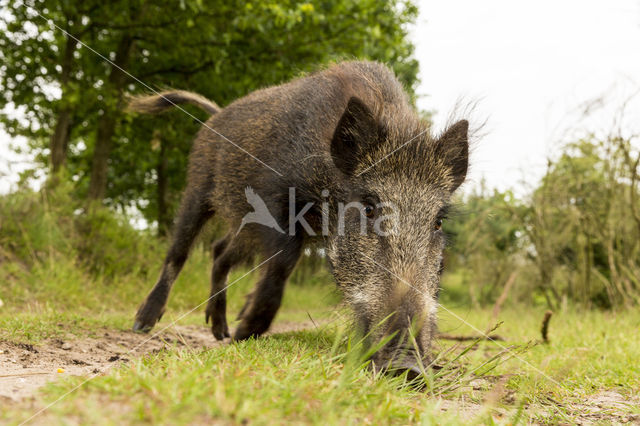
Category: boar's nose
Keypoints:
(410, 367)
(404, 362)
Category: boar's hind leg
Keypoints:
(264, 302)
(194, 213)
(227, 253)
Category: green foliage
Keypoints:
(484, 239)
(40, 227)
(220, 49)
(577, 238)
(46, 239)
(584, 227)
(55, 257)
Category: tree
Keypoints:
(40, 73)
(220, 49)
(485, 242)
(585, 241)
(69, 92)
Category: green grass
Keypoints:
(316, 376)
(49, 305)
(588, 352)
(297, 377)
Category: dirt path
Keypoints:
(24, 368)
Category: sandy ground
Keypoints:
(605, 407)
(24, 368)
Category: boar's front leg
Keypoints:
(263, 304)
(227, 252)
(194, 213)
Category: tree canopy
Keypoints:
(55, 71)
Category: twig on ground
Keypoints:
(314, 323)
(462, 338)
(26, 374)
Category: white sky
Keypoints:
(529, 65)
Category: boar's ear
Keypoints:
(355, 133)
(453, 149)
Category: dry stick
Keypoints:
(27, 374)
(459, 338)
(496, 311)
(545, 326)
(497, 307)
(314, 323)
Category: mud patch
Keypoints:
(24, 368)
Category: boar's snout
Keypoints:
(401, 360)
(407, 348)
(410, 367)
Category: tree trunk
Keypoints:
(99, 163)
(60, 137)
(108, 121)
(60, 140)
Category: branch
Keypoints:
(178, 70)
(461, 338)
(545, 326)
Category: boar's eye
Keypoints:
(369, 211)
(438, 224)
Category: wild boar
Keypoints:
(339, 156)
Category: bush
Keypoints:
(52, 249)
(575, 239)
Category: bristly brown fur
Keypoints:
(348, 131)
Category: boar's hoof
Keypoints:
(146, 318)
(138, 327)
(243, 335)
(219, 328)
(247, 330)
(220, 331)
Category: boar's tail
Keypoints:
(164, 100)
